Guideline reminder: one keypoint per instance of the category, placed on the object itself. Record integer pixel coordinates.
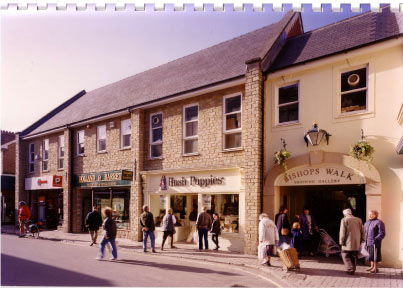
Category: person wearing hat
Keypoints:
(24, 214)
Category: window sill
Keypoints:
(45, 171)
(286, 126)
(125, 148)
(232, 150)
(191, 154)
(60, 169)
(353, 115)
(81, 155)
(102, 152)
(156, 158)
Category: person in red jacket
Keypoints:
(24, 214)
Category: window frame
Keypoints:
(60, 140)
(193, 137)
(78, 142)
(45, 160)
(286, 104)
(151, 143)
(366, 88)
(224, 125)
(29, 157)
(122, 135)
(98, 139)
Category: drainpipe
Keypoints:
(71, 178)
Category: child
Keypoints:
(296, 237)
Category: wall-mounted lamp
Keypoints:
(88, 126)
(315, 135)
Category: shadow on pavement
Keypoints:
(21, 272)
(343, 274)
(176, 267)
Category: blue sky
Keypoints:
(47, 57)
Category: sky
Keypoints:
(49, 56)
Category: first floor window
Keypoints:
(232, 122)
(125, 132)
(156, 135)
(288, 103)
(31, 161)
(190, 129)
(61, 152)
(101, 138)
(45, 155)
(354, 90)
(80, 142)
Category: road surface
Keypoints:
(36, 262)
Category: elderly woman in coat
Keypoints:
(374, 233)
(268, 236)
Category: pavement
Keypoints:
(317, 271)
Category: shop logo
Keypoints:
(57, 181)
(40, 182)
(163, 183)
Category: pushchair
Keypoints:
(327, 245)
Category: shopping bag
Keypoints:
(195, 237)
(363, 252)
(261, 251)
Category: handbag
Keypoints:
(363, 252)
(284, 231)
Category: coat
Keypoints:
(147, 221)
(109, 227)
(168, 222)
(268, 233)
(93, 220)
(304, 224)
(203, 221)
(282, 222)
(374, 232)
(216, 227)
(24, 213)
(351, 233)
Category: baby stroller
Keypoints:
(327, 245)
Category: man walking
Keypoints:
(203, 225)
(351, 237)
(93, 221)
(148, 227)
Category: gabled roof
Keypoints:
(216, 64)
(348, 34)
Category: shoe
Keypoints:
(369, 269)
(264, 263)
(350, 272)
(154, 251)
(268, 264)
(145, 250)
(113, 259)
(374, 271)
(173, 247)
(21, 236)
(216, 248)
(162, 248)
(92, 243)
(99, 258)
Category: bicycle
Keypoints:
(31, 229)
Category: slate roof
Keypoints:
(338, 37)
(222, 62)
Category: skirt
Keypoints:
(270, 250)
(374, 253)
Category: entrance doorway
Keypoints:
(325, 203)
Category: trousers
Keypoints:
(350, 260)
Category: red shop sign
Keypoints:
(57, 181)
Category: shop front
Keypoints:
(105, 189)
(186, 192)
(46, 200)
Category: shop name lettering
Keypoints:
(195, 181)
(100, 177)
(316, 171)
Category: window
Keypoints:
(190, 128)
(354, 90)
(125, 133)
(101, 138)
(31, 157)
(232, 122)
(288, 102)
(119, 201)
(156, 135)
(80, 142)
(61, 152)
(45, 155)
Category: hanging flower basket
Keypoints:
(362, 151)
(280, 158)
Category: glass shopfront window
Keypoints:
(227, 207)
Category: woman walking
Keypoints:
(283, 226)
(374, 233)
(215, 230)
(268, 236)
(109, 228)
(168, 228)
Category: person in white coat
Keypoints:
(268, 236)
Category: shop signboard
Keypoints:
(44, 183)
(329, 175)
(104, 179)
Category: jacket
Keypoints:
(304, 223)
(109, 227)
(374, 232)
(203, 221)
(168, 222)
(268, 233)
(93, 220)
(282, 222)
(216, 227)
(351, 233)
(147, 221)
(24, 213)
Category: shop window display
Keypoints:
(227, 207)
(119, 201)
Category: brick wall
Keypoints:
(8, 160)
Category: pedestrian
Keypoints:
(296, 237)
(93, 221)
(268, 236)
(168, 227)
(109, 231)
(203, 225)
(351, 236)
(192, 224)
(24, 214)
(215, 230)
(283, 226)
(308, 227)
(374, 233)
(148, 227)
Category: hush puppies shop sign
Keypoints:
(320, 176)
